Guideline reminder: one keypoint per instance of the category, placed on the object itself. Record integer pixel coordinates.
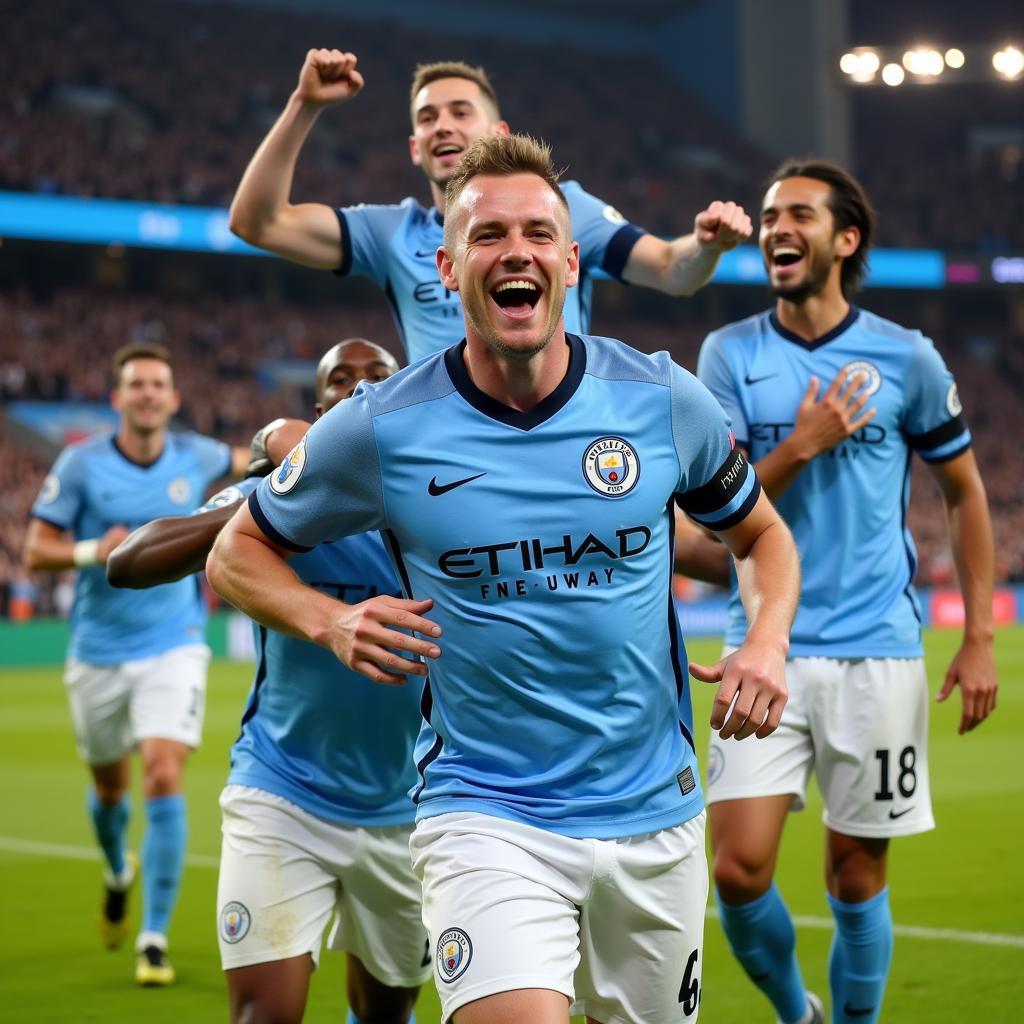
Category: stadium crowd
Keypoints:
(226, 352)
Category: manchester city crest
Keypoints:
(179, 490)
(286, 476)
(611, 466)
(953, 406)
(234, 922)
(454, 952)
(873, 378)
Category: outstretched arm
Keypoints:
(973, 668)
(684, 265)
(261, 213)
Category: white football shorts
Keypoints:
(861, 725)
(113, 707)
(617, 925)
(284, 873)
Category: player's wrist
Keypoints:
(85, 553)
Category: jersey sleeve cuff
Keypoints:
(620, 245)
(345, 267)
(267, 527)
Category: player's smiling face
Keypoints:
(802, 250)
(448, 116)
(512, 259)
(145, 395)
(345, 366)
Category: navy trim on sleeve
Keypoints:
(264, 524)
(620, 245)
(724, 485)
(938, 436)
(50, 522)
(936, 460)
(346, 245)
(742, 512)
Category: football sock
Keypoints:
(860, 957)
(353, 1019)
(762, 937)
(163, 857)
(110, 823)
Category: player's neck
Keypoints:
(520, 385)
(815, 316)
(141, 448)
(437, 195)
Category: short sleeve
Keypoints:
(933, 420)
(60, 498)
(606, 238)
(366, 232)
(213, 456)
(716, 375)
(329, 486)
(229, 495)
(717, 486)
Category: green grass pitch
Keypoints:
(961, 885)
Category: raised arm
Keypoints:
(973, 667)
(248, 569)
(262, 213)
(685, 264)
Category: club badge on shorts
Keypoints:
(454, 952)
(611, 466)
(234, 922)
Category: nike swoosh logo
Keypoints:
(893, 815)
(757, 380)
(856, 1011)
(434, 488)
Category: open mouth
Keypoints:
(786, 256)
(448, 150)
(516, 299)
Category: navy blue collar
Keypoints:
(848, 321)
(135, 462)
(544, 410)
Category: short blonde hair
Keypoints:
(427, 73)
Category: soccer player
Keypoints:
(316, 813)
(452, 105)
(831, 401)
(136, 667)
(523, 481)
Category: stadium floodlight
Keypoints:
(924, 62)
(863, 66)
(955, 58)
(1008, 61)
(849, 63)
(892, 74)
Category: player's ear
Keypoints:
(175, 401)
(847, 241)
(502, 128)
(414, 151)
(572, 275)
(446, 270)
(115, 399)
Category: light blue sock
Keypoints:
(110, 824)
(762, 937)
(163, 857)
(353, 1019)
(861, 954)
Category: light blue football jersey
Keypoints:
(314, 732)
(847, 507)
(93, 486)
(544, 539)
(395, 246)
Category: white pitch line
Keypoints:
(11, 844)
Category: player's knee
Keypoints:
(741, 876)
(855, 881)
(162, 777)
(254, 1010)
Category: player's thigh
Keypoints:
(169, 695)
(99, 697)
(380, 913)
(275, 895)
(871, 734)
(273, 991)
(642, 929)
(778, 764)
(500, 904)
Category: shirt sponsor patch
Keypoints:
(286, 476)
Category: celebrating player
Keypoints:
(452, 105)
(136, 667)
(523, 481)
(831, 401)
(316, 812)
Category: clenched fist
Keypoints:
(328, 76)
(722, 226)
